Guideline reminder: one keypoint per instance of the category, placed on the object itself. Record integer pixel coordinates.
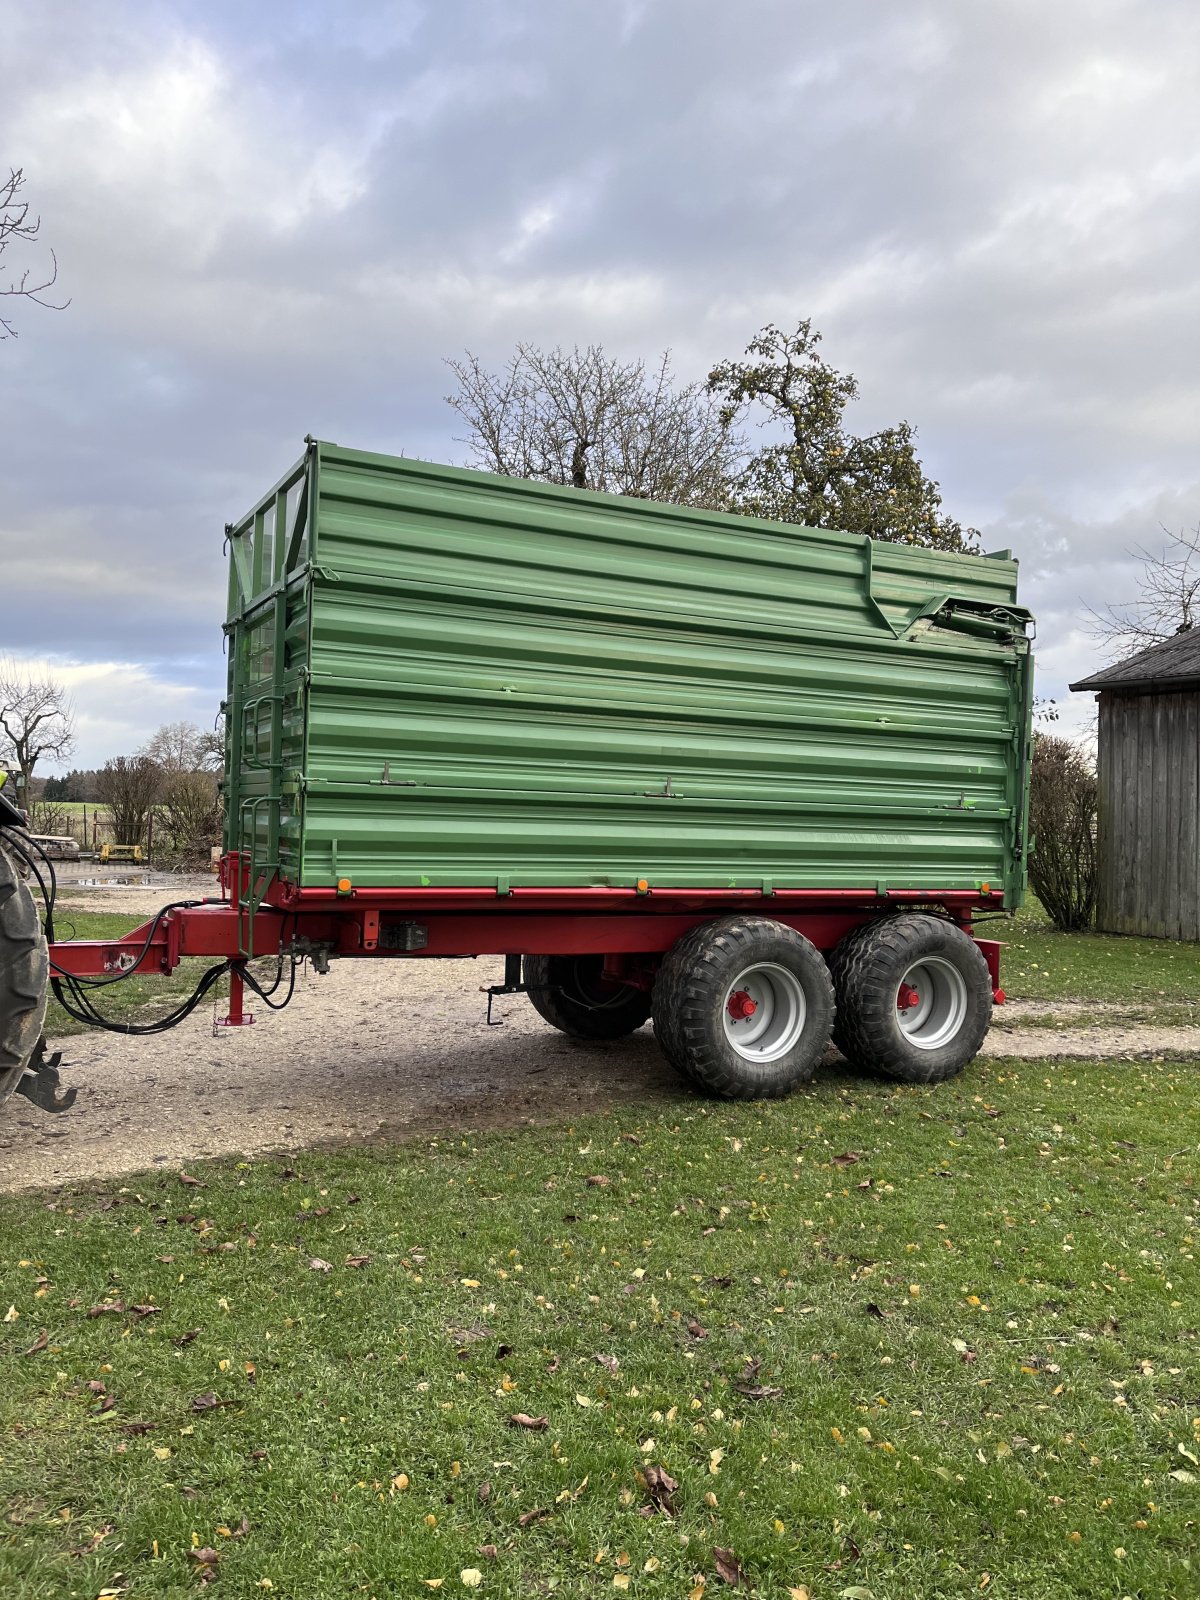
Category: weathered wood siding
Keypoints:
(1149, 814)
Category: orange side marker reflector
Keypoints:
(344, 885)
(643, 886)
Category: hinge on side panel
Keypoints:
(396, 783)
(665, 793)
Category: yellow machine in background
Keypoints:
(121, 852)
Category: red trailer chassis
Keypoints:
(631, 928)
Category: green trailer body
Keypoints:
(444, 678)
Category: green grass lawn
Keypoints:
(1038, 963)
(887, 1342)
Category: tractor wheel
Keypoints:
(744, 1006)
(572, 994)
(24, 975)
(914, 997)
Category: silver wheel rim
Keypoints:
(764, 1012)
(931, 1003)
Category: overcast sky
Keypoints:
(279, 220)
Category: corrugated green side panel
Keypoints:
(510, 684)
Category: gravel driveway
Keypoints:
(378, 1050)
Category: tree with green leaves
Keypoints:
(816, 471)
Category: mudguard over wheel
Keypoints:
(24, 975)
(914, 998)
(572, 994)
(744, 1006)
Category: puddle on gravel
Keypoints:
(113, 881)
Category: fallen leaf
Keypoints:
(39, 1343)
(1182, 1475)
(521, 1419)
(537, 1515)
(661, 1487)
(190, 1182)
(847, 1159)
(729, 1568)
(12, 1314)
(107, 1308)
(484, 1493)
(610, 1362)
(695, 1330)
(857, 1591)
(584, 1400)
(715, 1458)
(210, 1402)
(318, 1265)
(357, 1261)
(144, 1310)
(799, 1591)
(137, 1428)
(598, 1181)
(489, 1552)
(620, 1580)
(471, 1577)
(875, 1311)
(186, 1338)
(759, 1391)
(206, 1556)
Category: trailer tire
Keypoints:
(24, 975)
(744, 1007)
(571, 994)
(914, 997)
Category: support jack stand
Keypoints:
(512, 985)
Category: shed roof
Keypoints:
(1174, 664)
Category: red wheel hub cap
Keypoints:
(906, 997)
(740, 1006)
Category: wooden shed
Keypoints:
(1149, 791)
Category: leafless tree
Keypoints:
(185, 747)
(188, 816)
(17, 227)
(1168, 600)
(37, 719)
(129, 786)
(582, 418)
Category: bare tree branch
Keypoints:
(1168, 600)
(37, 719)
(17, 227)
(581, 417)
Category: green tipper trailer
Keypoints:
(751, 779)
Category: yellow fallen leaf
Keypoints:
(471, 1577)
(400, 1481)
(11, 1314)
(584, 1400)
(800, 1591)
(469, 1283)
(652, 1564)
(432, 1583)
(715, 1458)
(430, 1520)
(455, 1468)
(161, 1452)
(696, 1592)
(620, 1580)
(838, 1436)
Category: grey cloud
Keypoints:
(281, 221)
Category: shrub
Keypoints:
(1062, 823)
